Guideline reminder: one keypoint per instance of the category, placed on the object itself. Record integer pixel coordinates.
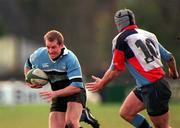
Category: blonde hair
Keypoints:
(54, 35)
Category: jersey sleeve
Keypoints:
(165, 54)
(28, 64)
(33, 59)
(74, 72)
(118, 59)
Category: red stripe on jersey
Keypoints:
(152, 75)
(118, 59)
(130, 27)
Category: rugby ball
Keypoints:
(37, 76)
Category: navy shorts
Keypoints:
(60, 103)
(155, 97)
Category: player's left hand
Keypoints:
(48, 95)
(174, 75)
(94, 86)
(36, 86)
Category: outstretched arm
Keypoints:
(99, 83)
(69, 90)
(170, 60)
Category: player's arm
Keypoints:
(99, 83)
(173, 72)
(69, 90)
(171, 62)
(49, 95)
(75, 76)
(117, 65)
(27, 67)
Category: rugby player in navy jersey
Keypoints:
(141, 52)
(68, 94)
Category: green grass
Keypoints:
(24, 116)
(36, 116)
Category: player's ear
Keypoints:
(62, 45)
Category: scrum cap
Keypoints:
(124, 18)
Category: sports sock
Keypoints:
(140, 122)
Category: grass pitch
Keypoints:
(36, 116)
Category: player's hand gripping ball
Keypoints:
(37, 76)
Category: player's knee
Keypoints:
(157, 125)
(126, 114)
(161, 121)
(161, 125)
(123, 114)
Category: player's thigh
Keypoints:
(156, 97)
(74, 111)
(160, 121)
(56, 119)
(131, 105)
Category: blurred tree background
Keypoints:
(87, 25)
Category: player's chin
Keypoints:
(52, 56)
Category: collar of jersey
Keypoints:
(65, 51)
(130, 27)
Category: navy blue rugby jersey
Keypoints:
(141, 53)
(63, 72)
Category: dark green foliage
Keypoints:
(88, 25)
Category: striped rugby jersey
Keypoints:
(141, 52)
(63, 72)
